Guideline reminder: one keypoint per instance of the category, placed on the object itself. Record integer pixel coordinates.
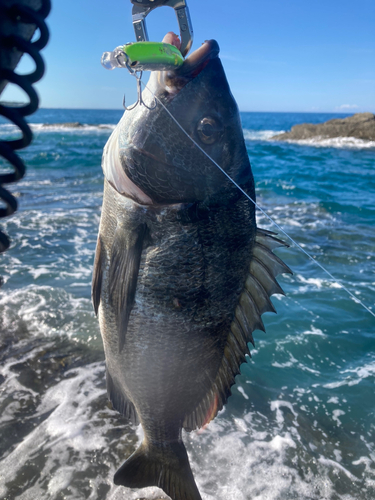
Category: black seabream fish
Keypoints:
(182, 275)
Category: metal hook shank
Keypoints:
(141, 9)
(140, 101)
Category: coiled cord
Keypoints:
(19, 13)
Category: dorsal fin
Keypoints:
(274, 265)
(254, 300)
(268, 239)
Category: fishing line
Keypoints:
(333, 279)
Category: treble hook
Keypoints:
(140, 101)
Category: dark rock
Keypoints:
(65, 125)
(360, 126)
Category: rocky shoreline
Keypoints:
(360, 126)
(73, 125)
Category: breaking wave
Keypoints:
(334, 142)
(71, 127)
(260, 135)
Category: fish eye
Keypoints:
(208, 130)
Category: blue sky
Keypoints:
(279, 55)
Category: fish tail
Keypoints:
(164, 465)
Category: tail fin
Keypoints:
(165, 465)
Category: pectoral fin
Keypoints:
(97, 276)
(123, 273)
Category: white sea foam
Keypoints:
(334, 400)
(235, 458)
(241, 390)
(296, 218)
(10, 129)
(64, 127)
(318, 141)
(335, 142)
(260, 135)
(331, 463)
(60, 480)
(317, 282)
(314, 331)
(240, 463)
(69, 431)
(45, 310)
(336, 414)
(277, 405)
(353, 376)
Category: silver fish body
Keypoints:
(181, 273)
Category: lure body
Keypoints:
(144, 56)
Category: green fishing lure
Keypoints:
(153, 56)
(144, 56)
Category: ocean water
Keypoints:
(300, 423)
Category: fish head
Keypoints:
(151, 158)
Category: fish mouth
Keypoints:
(198, 59)
(173, 81)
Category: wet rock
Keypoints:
(360, 126)
(64, 125)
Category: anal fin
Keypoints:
(120, 402)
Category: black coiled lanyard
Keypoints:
(13, 18)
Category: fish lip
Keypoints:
(198, 59)
(171, 82)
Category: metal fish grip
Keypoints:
(17, 25)
(141, 9)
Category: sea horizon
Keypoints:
(120, 108)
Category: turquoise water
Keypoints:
(300, 422)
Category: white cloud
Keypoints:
(347, 106)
